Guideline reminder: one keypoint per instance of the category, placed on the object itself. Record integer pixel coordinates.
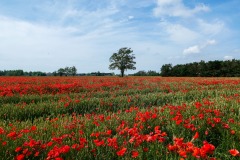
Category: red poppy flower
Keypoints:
(234, 152)
(196, 135)
(36, 154)
(1, 130)
(33, 128)
(207, 147)
(49, 144)
(20, 157)
(196, 152)
(134, 154)
(82, 140)
(232, 132)
(182, 153)
(65, 149)
(4, 143)
(145, 149)
(18, 149)
(122, 152)
(98, 142)
(12, 135)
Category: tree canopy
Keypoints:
(229, 68)
(122, 60)
(67, 71)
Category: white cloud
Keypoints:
(174, 57)
(178, 33)
(236, 50)
(191, 50)
(198, 48)
(176, 8)
(211, 28)
(76, 36)
(228, 57)
(181, 31)
(46, 48)
(33, 46)
(182, 26)
(211, 42)
(200, 8)
(130, 17)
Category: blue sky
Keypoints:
(48, 34)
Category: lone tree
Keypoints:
(122, 60)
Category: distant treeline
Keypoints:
(60, 72)
(20, 72)
(144, 73)
(229, 68)
(96, 74)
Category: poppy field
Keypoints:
(66, 118)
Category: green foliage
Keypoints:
(143, 73)
(122, 60)
(229, 68)
(12, 73)
(20, 72)
(166, 70)
(67, 71)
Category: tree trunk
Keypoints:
(122, 73)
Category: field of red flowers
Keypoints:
(68, 118)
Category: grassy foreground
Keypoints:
(119, 118)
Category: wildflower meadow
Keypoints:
(143, 118)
